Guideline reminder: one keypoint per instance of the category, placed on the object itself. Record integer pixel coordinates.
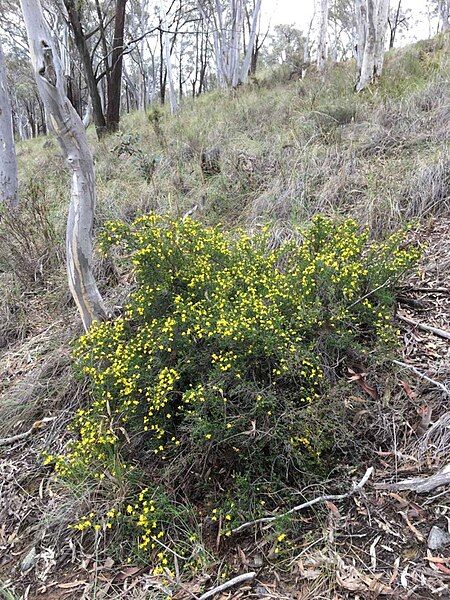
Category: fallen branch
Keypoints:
(239, 580)
(23, 436)
(439, 332)
(326, 498)
(421, 485)
(422, 375)
(425, 290)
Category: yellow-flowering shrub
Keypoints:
(206, 384)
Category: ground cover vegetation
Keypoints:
(248, 358)
(219, 367)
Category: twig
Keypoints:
(155, 539)
(382, 285)
(422, 375)
(325, 498)
(23, 436)
(239, 580)
(439, 332)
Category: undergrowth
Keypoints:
(209, 391)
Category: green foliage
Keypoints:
(129, 145)
(217, 365)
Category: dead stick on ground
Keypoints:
(421, 485)
(439, 332)
(23, 436)
(439, 290)
(239, 580)
(422, 375)
(329, 497)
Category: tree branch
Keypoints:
(439, 332)
(26, 434)
(239, 580)
(422, 375)
(300, 507)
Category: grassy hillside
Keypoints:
(275, 152)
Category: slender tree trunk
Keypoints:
(104, 43)
(115, 78)
(8, 163)
(249, 54)
(372, 16)
(162, 79)
(91, 81)
(219, 40)
(236, 42)
(368, 57)
(87, 118)
(381, 30)
(69, 130)
(444, 14)
(361, 30)
(169, 76)
(255, 55)
(394, 26)
(322, 42)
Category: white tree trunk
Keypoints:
(87, 117)
(222, 43)
(444, 14)
(8, 163)
(218, 55)
(236, 38)
(381, 30)
(251, 42)
(372, 19)
(361, 30)
(322, 42)
(168, 60)
(69, 130)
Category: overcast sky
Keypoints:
(299, 12)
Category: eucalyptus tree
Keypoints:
(343, 29)
(322, 41)
(8, 163)
(444, 14)
(372, 21)
(226, 22)
(115, 72)
(168, 60)
(69, 130)
(82, 42)
(93, 26)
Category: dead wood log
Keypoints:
(239, 580)
(421, 485)
(23, 436)
(439, 332)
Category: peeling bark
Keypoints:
(69, 130)
(8, 163)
